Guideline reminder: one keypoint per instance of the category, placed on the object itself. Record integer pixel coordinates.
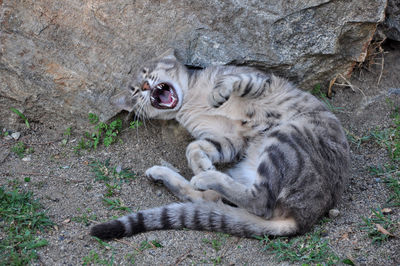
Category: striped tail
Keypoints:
(208, 216)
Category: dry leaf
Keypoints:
(86, 163)
(66, 221)
(345, 236)
(331, 83)
(387, 211)
(355, 243)
(382, 230)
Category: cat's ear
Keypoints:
(169, 54)
(123, 101)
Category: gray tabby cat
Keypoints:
(292, 153)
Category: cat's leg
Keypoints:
(179, 186)
(202, 154)
(249, 197)
(250, 85)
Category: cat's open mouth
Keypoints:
(163, 96)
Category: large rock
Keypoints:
(391, 25)
(64, 59)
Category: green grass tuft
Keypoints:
(357, 141)
(93, 258)
(388, 138)
(149, 245)
(310, 248)
(370, 225)
(22, 116)
(217, 242)
(113, 177)
(390, 175)
(21, 219)
(104, 133)
(67, 135)
(105, 172)
(85, 218)
(116, 204)
(317, 91)
(135, 124)
(19, 149)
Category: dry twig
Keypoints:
(182, 257)
(348, 84)
(330, 86)
(27, 174)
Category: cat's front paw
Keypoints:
(221, 92)
(158, 173)
(203, 181)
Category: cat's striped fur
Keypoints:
(291, 151)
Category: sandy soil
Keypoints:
(65, 184)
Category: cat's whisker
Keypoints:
(136, 118)
(142, 112)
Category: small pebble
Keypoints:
(26, 159)
(387, 211)
(395, 91)
(377, 180)
(118, 169)
(158, 193)
(333, 213)
(16, 135)
(324, 234)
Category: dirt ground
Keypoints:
(65, 184)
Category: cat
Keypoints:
(291, 152)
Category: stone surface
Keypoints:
(64, 59)
(333, 213)
(16, 135)
(391, 25)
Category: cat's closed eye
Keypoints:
(133, 89)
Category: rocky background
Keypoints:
(391, 26)
(60, 60)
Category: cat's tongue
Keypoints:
(163, 96)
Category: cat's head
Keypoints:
(157, 89)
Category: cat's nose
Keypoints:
(146, 86)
